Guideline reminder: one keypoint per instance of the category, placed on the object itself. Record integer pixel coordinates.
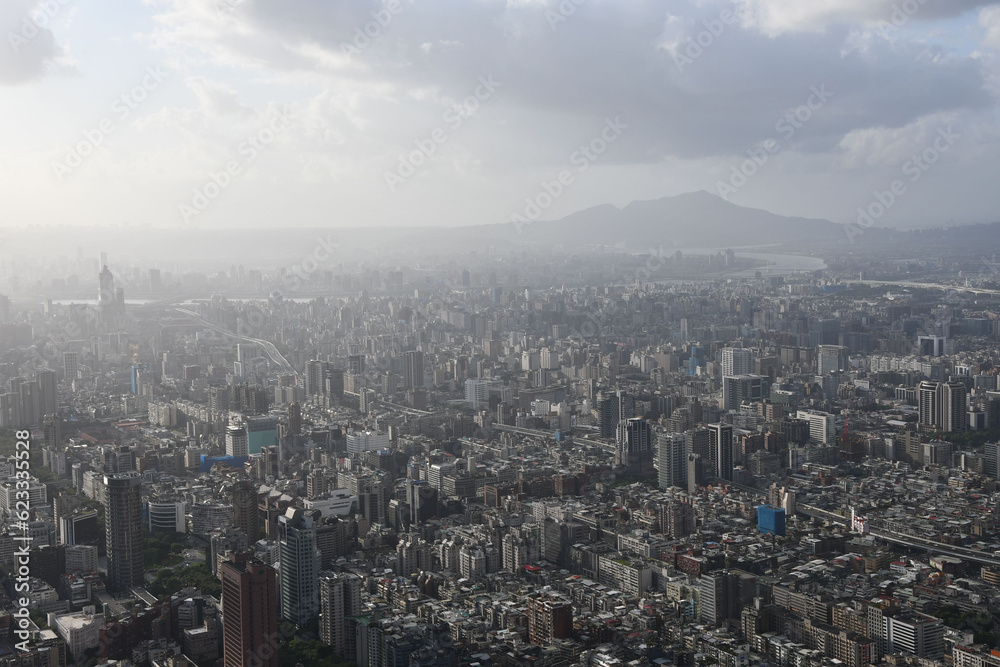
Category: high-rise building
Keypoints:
(942, 406)
(31, 406)
(737, 361)
(123, 526)
(71, 365)
(672, 458)
(612, 409)
(720, 597)
(832, 359)
(106, 290)
(549, 618)
(339, 598)
(413, 369)
(299, 565)
(991, 460)
(423, 501)
(739, 389)
(262, 431)
(721, 450)
(634, 446)
(323, 379)
(822, 426)
(249, 613)
(119, 459)
(914, 633)
(294, 419)
(952, 403)
(47, 393)
(236, 441)
(246, 516)
(695, 472)
(52, 431)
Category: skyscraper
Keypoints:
(249, 613)
(953, 407)
(737, 361)
(106, 290)
(413, 369)
(123, 527)
(721, 450)
(52, 430)
(831, 359)
(299, 566)
(927, 403)
(71, 365)
(47, 392)
(942, 405)
(672, 458)
(739, 389)
(236, 441)
(634, 446)
(339, 598)
(423, 500)
(246, 516)
(612, 409)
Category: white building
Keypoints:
(37, 495)
(822, 426)
(80, 631)
(81, 557)
(167, 515)
(340, 503)
(737, 361)
(367, 441)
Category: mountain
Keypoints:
(695, 219)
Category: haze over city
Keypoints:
(500, 333)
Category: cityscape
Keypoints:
(508, 333)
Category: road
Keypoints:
(910, 541)
(269, 349)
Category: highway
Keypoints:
(532, 432)
(910, 541)
(269, 349)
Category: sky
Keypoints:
(331, 113)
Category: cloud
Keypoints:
(989, 18)
(777, 17)
(29, 50)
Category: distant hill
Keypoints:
(696, 219)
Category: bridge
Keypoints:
(938, 286)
